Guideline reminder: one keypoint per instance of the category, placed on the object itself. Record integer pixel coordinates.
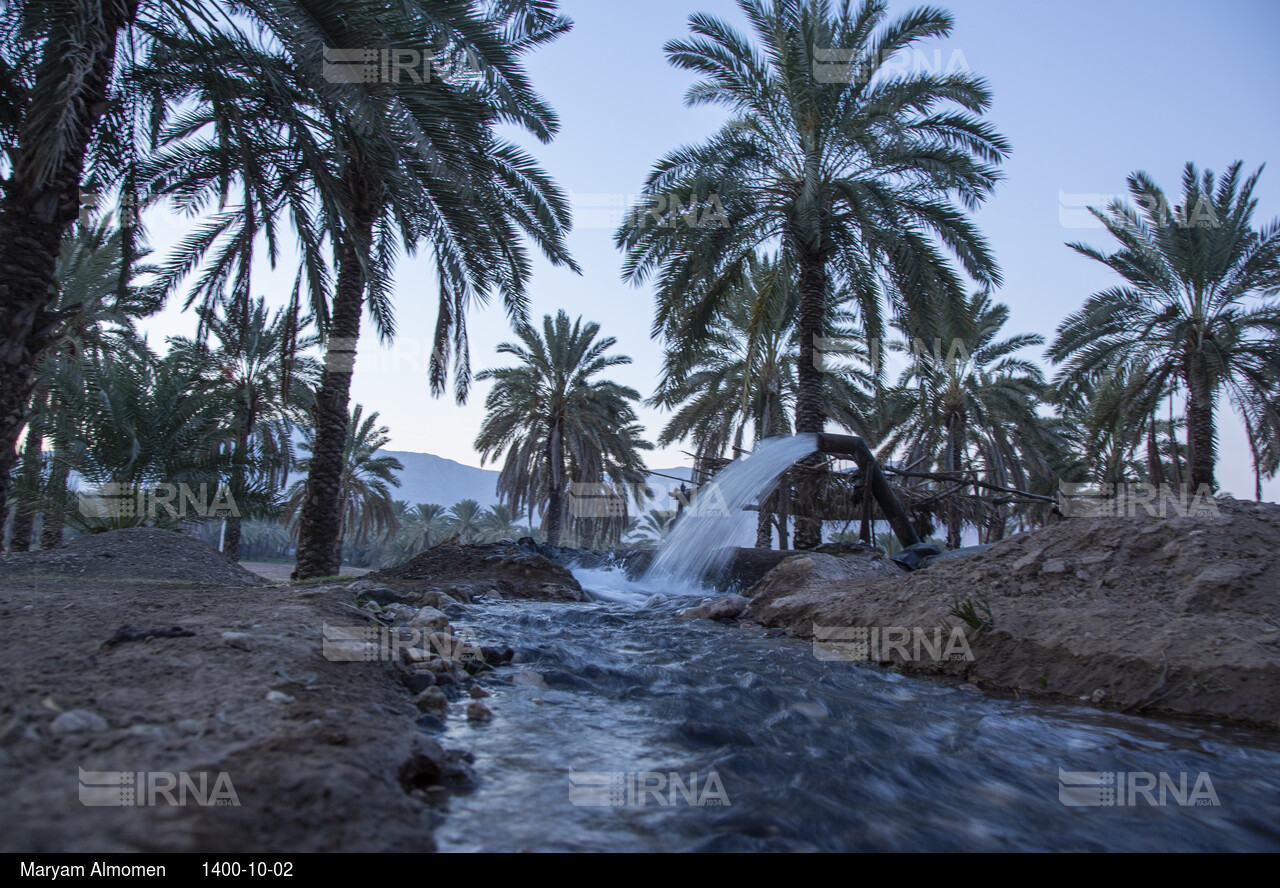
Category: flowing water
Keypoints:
(803, 753)
(703, 538)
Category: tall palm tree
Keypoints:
(855, 177)
(258, 363)
(968, 406)
(69, 107)
(367, 507)
(559, 425)
(1191, 311)
(391, 165)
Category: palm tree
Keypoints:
(424, 526)
(390, 165)
(498, 522)
(465, 520)
(96, 318)
(366, 506)
(149, 425)
(968, 406)
(856, 179)
(1190, 311)
(559, 425)
(742, 375)
(258, 364)
(68, 105)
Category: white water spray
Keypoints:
(697, 544)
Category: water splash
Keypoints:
(612, 584)
(697, 545)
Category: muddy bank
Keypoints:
(1178, 616)
(232, 683)
(496, 570)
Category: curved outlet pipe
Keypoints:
(855, 447)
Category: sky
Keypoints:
(1087, 92)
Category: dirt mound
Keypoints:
(501, 570)
(136, 553)
(1177, 614)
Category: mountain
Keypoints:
(428, 478)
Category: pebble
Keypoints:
(477, 711)
(478, 692)
(78, 721)
(432, 700)
(279, 697)
(431, 618)
(237, 640)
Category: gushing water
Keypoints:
(698, 545)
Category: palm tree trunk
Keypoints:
(784, 511)
(810, 413)
(233, 524)
(39, 205)
(1200, 427)
(953, 467)
(1257, 466)
(320, 524)
(764, 525)
(1175, 460)
(555, 473)
(56, 495)
(24, 512)
(1155, 468)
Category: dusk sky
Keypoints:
(1086, 92)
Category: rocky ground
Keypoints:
(1173, 615)
(165, 658)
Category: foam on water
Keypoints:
(703, 538)
(611, 584)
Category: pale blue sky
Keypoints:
(1086, 91)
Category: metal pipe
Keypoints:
(855, 447)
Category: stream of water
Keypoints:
(703, 538)
(624, 727)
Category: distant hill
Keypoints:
(428, 478)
